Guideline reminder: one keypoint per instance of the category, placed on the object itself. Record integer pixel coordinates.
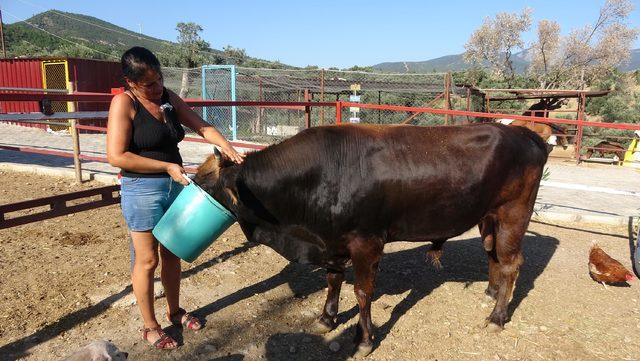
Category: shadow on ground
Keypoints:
(464, 261)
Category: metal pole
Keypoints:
(322, 96)
(468, 102)
(379, 101)
(447, 99)
(234, 121)
(307, 110)
(338, 112)
(260, 98)
(204, 92)
(4, 51)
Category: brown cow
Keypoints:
(335, 195)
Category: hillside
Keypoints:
(457, 63)
(98, 39)
(634, 62)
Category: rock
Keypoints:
(158, 290)
(334, 346)
(210, 348)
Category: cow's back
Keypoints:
(399, 182)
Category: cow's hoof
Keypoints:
(320, 327)
(491, 293)
(363, 350)
(488, 298)
(493, 328)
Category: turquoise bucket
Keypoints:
(192, 222)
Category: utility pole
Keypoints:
(4, 51)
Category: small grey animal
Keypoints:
(101, 350)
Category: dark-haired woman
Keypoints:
(143, 132)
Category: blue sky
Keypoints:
(327, 33)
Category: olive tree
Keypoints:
(497, 40)
(584, 54)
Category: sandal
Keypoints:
(163, 340)
(190, 322)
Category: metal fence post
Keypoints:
(307, 109)
(338, 112)
(204, 92)
(447, 97)
(234, 121)
(322, 96)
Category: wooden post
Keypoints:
(76, 149)
(578, 141)
(486, 105)
(307, 109)
(75, 136)
(322, 96)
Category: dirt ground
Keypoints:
(65, 282)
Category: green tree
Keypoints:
(233, 55)
(190, 52)
(497, 40)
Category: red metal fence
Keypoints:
(59, 207)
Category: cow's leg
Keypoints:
(365, 255)
(512, 224)
(327, 320)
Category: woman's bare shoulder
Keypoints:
(123, 104)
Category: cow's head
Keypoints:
(216, 176)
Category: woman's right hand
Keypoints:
(176, 172)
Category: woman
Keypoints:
(144, 129)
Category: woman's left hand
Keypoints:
(230, 152)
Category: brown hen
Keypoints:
(605, 269)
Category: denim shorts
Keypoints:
(145, 200)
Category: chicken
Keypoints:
(605, 269)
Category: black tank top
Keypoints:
(152, 138)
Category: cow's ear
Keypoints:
(210, 169)
(223, 160)
(217, 153)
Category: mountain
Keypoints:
(58, 33)
(633, 63)
(457, 63)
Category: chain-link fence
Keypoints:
(268, 124)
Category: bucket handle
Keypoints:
(187, 178)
